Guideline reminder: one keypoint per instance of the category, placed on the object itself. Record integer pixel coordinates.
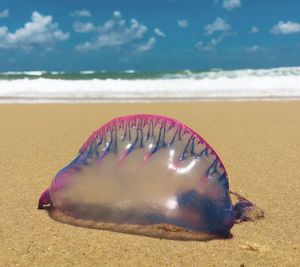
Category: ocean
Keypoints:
(134, 86)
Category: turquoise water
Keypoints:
(89, 75)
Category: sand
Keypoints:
(259, 143)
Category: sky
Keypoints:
(143, 35)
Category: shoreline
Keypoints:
(115, 100)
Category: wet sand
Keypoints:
(259, 143)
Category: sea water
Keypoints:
(136, 86)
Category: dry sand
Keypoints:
(259, 144)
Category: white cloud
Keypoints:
(219, 25)
(81, 13)
(4, 13)
(210, 46)
(231, 4)
(254, 29)
(182, 23)
(255, 48)
(158, 32)
(288, 27)
(204, 47)
(41, 31)
(79, 26)
(146, 46)
(116, 32)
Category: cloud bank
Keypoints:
(288, 27)
(41, 31)
(117, 32)
(81, 27)
(146, 46)
(81, 13)
(231, 4)
(219, 26)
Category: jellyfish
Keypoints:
(149, 175)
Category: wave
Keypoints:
(28, 73)
(87, 72)
(242, 84)
(219, 73)
(137, 75)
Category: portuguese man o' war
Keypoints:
(148, 175)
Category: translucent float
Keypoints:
(148, 175)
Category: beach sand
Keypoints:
(258, 142)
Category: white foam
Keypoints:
(219, 73)
(87, 72)
(129, 71)
(57, 72)
(31, 73)
(280, 83)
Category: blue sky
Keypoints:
(157, 35)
